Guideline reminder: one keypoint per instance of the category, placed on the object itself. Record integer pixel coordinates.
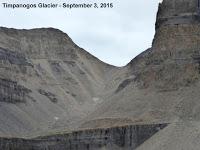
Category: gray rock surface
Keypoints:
(50, 85)
(126, 137)
(175, 12)
(47, 82)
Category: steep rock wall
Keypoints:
(126, 137)
(174, 12)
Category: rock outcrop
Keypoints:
(177, 12)
(11, 92)
(175, 48)
(126, 137)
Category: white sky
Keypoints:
(114, 35)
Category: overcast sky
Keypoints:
(114, 35)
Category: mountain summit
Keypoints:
(47, 81)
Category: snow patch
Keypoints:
(56, 118)
(95, 99)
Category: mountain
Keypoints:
(161, 84)
(55, 95)
(47, 81)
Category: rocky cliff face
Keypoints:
(176, 12)
(175, 47)
(127, 137)
(49, 85)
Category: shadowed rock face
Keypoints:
(11, 92)
(124, 84)
(127, 137)
(170, 8)
(13, 58)
(51, 96)
(175, 12)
